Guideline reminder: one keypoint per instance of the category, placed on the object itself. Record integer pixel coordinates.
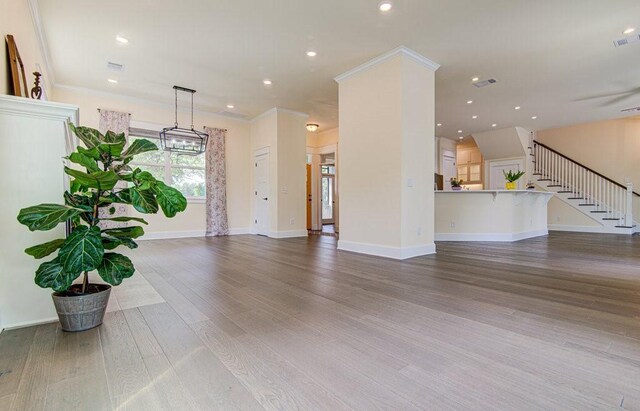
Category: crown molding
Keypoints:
(142, 101)
(28, 107)
(402, 50)
(278, 110)
(43, 45)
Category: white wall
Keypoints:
(490, 216)
(292, 193)
(193, 220)
(283, 133)
(30, 173)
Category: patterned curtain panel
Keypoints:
(118, 123)
(216, 183)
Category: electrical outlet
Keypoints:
(453, 224)
(292, 221)
(419, 231)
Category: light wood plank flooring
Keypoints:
(254, 323)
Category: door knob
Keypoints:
(265, 198)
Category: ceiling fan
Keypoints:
(614, 98)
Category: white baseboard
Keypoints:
(503, 237)
(165, 235)
(590, 229)
(398, 253)
(239, 231)
(24, 324)
(288, 234)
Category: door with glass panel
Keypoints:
(328, 191)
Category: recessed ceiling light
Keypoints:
(460, 131)
(494, 125)
(534, 117)
(230, 106)
(474, 117)
(439, 124)
(475, 79)
(267, 82)
(517, 107)
(385, 6)
(469, 101)
(629, 30)
(122, 40)
(311, 53)
(461, 138)
(112, 81)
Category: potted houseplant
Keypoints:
(456, 185)
(511, 178)
(107, 180)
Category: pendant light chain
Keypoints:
(176, 92)
(192, 111)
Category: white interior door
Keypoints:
(261, 191)
(448, 170)
(496, 178)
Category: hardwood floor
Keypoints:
(255, 323)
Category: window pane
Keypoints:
(186, 160)
(190, 182)
(150, 157)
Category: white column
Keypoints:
(387, 159)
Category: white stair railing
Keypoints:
(606, 197)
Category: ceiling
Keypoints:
(553, 58)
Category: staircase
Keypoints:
(596, 196)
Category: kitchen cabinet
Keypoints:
(469, 165)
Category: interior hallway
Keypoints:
(249, 322)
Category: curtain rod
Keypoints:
(99, 110)
(223, 129)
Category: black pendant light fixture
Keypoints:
(183, 140)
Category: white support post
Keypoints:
(628, 218)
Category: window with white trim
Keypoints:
(183, 172)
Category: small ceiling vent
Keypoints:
(485, 83)
(115, 66)
(631, 110)
(627, 40)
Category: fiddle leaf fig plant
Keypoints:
(107, 179)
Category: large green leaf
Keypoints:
(101, 180)
(139, 146)
(114, 138)
(44, 217)
(109, 243)
(171, 200)
(143, 200)
(115, 268)
(144, 180)
(113, 144)
(82, 251)
(89, 136)
(93, 153)
(125, 219)
(85, 161)
(43, 250)
(124, 232)
(52, 275)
